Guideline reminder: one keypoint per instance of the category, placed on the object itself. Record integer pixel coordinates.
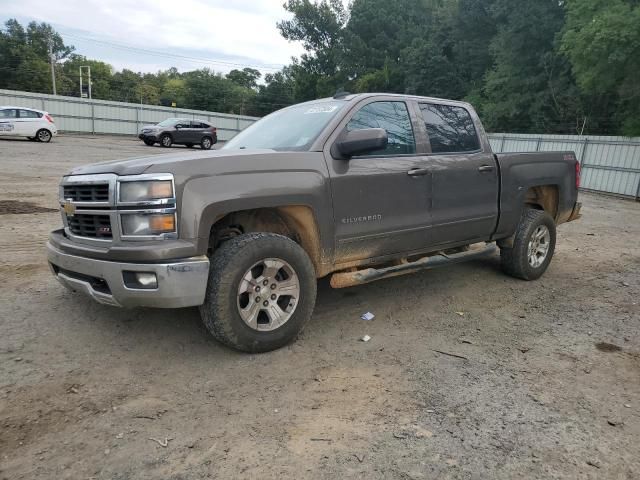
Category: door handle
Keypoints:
(419, 172)
(485, 168)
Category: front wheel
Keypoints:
(166, 140)
(261, 292)
(533, 246)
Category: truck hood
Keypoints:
(213, 161)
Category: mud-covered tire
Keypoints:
(229, 265)
(516, 261)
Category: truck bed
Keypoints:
(556, 173)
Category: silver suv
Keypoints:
(180, 131)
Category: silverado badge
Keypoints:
(69, 208)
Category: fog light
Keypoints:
(140, 280)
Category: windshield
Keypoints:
(169, 122)
(292, 128)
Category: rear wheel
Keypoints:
(533, 246)
(43, 135)
(166, 140)
(206, 143)
(261, 292)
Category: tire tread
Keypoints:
(215, 310)
(514, 260)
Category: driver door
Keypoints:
(381, 200)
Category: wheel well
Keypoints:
(296, 222)
(543, 197)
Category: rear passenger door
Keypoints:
(464, 177)
(27, 123)
(199, 129)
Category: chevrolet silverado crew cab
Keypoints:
(359, 187)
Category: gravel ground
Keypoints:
(549, 386)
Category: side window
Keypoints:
(394, 118)
(450, 129)
(28, 114)
(8, 113)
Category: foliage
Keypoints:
(602, 40)
(544, 66)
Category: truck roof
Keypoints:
(359, 96)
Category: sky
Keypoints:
(219, 34)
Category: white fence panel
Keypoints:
(73, 114)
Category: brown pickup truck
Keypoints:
(359, 187)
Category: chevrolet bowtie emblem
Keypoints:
(69, 208)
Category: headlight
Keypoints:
(145, 191)
(147, 224)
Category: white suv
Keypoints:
(26, 122)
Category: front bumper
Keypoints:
(147, 136)
(181, 283)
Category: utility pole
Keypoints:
(82, 93)
(53, 68)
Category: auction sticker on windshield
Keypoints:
(322, 109)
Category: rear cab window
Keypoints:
(450, 128)
(392, 116)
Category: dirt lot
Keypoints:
(549, 386)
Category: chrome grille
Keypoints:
(98, 192)
(90, 225)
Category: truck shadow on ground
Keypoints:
(175, 332)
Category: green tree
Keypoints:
(24, 56)
(247, 77)
(376, 35)
(174, 90)
(319, 26)
(602, 40)
(277, 92)
(101, 77)
(530, 87)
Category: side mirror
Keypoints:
(360, 142)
